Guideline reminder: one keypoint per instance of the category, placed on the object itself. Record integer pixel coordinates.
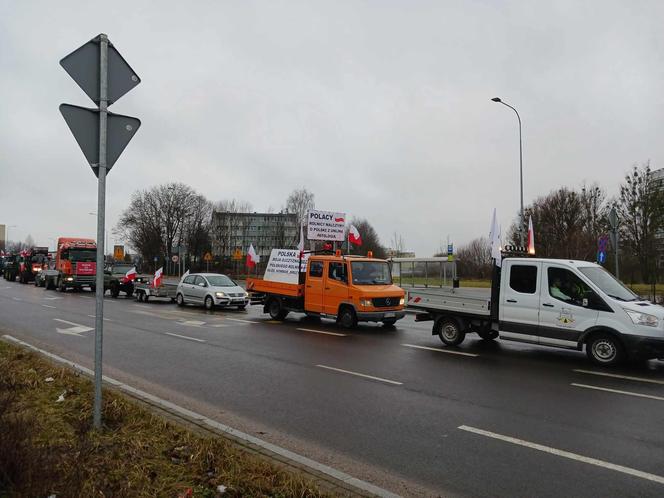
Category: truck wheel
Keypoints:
(180, 300)
(605, 349)
(130, 291)
(209, 303)
(390, 322)
(488, 335)
(449, 331)
(347, 318)
(275, 310)
(115, 290)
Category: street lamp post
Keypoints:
(521, 221)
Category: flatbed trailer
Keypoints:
(144, 291)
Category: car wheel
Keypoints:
(605, 349)
(209, 303)
(347, 318)
(449, 331)
(179, 299)
(275, 310)
(115, 290)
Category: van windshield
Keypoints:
(371, 273)
(611, 286)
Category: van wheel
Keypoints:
(449, 331)
(347, 318)
(275, 310)
(488, 335)
(209, 303)
(390, 322)
(605, 349)
(180, 300)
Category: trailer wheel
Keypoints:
(449, 331)
(180, 300)
(347, 318)
(275, 309)
(605, 349)
(139, 296)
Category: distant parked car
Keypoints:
(210, 290)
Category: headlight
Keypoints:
(70, 279)
(220, 294)
(642, 318)
(365, 302)
(246, 294)
(402, 301)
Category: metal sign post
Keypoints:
(99, 69)
(613, 221)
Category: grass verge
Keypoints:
(48, 446)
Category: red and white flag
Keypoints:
(354, 236)
(252, 258)
(300, 245)
(130, 276)
(156, 282)
(531, 237)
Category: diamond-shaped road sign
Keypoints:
(83, 66)
(84, 124)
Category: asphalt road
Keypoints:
(499, 420)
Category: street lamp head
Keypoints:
(496, 99)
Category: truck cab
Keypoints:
(75, 263)
(349, 289)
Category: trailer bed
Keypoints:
(144, 291)
(474, 302)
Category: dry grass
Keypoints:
(48, 447)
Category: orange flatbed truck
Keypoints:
(347, 288)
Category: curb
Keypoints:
(331, 477)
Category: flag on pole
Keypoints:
(531, 237)
(156, 282)
(300, 245)
(494, 239)
(183, 276)
(252, 257)
(354, 236)
(130, 276)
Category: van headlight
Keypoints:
(642, 318)
(365, 302)
(220, 294)
(402, 301)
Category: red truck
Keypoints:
(75, 265)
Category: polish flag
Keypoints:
(131, 275)
(354, 236)
(252, 257)
(156, 282)
(531, 237)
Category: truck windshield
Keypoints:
(611, 286)
(220, 281)
(371, 273)
(76, 255)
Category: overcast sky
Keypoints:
(381, 108)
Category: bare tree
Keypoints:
(640, 207)
(474, 259)
(299, 202)
(398, 245)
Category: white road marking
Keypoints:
(323, 332)
(361, 375)
(441, 350)
(149, 313)
(220, 325)
(241, 320)
(105, 319)
(566, 454)
(52, 298)
(49, 306)
(617, 391)
(192, 323)
(185, 337)
(76, 330)
(4, 288)
(616, 376)
(17, 299)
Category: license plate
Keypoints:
(389, 315)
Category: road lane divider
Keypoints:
(185, 337)
(323, 332)
(617, 376)
(94, 316)
(17, 299)
(49, 306)
(618, 391)
(242, 320)
(192, 323)
(441, 350)
(290, 457)
(565, 454)
(380, 379)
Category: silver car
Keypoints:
(210, 290)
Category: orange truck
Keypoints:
(75, 265)
(349, 289)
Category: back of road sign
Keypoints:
(83, 66)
